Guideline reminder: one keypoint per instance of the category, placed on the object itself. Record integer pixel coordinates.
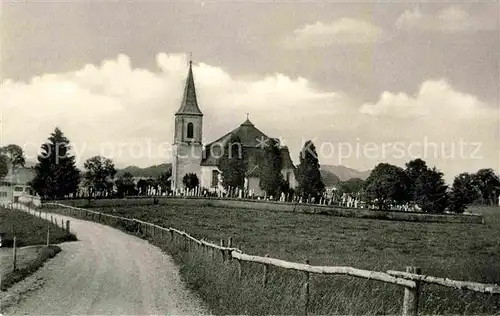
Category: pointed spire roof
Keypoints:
(189, 103)
(247, 122)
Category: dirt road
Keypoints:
(108, 272)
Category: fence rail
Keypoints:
(411, 280)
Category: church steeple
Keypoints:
(189, 103)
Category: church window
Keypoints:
(288, 174)
(215, 178)
(190, 130)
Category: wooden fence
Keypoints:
(53, 222)
(411, 279)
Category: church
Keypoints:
(189, 155)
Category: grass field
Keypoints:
(28, 229)
(459, 251)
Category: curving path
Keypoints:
(108, 272)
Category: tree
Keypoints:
(386, 185)
(271, 179)
(430, 191)
(489, 185)
(125, 185)
(163, 181)
(190, 181)
(464, 191)
(150, 184)
(232, 164)
(310, 183)
(142, 186)
(56, 174)
(14, 154)
(414, 169)
(351, 186)
(99, 173)
(4, 166)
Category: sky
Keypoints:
(368, 82)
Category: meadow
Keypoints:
(28, 229)
(458, 251)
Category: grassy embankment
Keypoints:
(29, 231)
(458, 251)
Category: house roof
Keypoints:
(189, 103)
(286, 160)
(249, 135)
(20, 175)
(253, 142)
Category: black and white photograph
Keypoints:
(249, 157)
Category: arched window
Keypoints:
(190, 130)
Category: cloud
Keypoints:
(127, 114)
(119, 108)
(453, 130)
(342, 31)
(435, 98)
(450, 19)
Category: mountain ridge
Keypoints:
(332, 174)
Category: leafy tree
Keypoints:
(142, 186)
(414, 169)
(99, 173)
(150, 184)
(351, 186)
(14, 154)
(310, 183)
(163, 180)
(387, 184)
(232, 164)
(56, 175)
(285, 188)
(430, 191)
(125, 185)
(4, 166)
(190, 181)
(464, 191)
(489, 185)
(271, 179)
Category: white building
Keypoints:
(190, 156)
(15, 185)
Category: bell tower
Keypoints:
(187, 148)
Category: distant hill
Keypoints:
(148, 172)
(345, 173)
(332, 175)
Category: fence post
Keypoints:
(411, 297)
(222, 250)
(67, 226)
(266, 272)
(14, 255)
(306, 291)
(229, 245)
(239, 269)
(48, 236)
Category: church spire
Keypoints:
(189, 103)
